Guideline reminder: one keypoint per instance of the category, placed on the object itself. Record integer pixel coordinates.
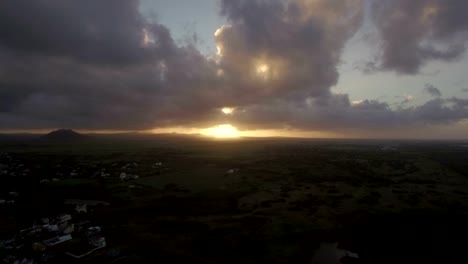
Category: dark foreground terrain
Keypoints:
(172, 199)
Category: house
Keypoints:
(63, 218)
(81, 208)
(38, 247)
(97, 241)
(14, 260)
(80, 226)
(57, 240)
(95, 238)
(132, 177)
(30, 232)
(51, 228)
(93, 231)
(68, 229)
(104, 174)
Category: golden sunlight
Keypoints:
(219, 49)
(147, 38)
(227, 110)
(262, 69)
(429, 12)
(221, 131)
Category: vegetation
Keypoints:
(252, 201)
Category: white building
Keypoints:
(57, 240)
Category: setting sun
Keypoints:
(221, 131)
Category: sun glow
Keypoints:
(221, 131)
(219, 50)
(147, 39)
(227, 110)
(429, 12)
(262, 69)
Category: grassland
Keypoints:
(400, 204)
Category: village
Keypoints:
(68, 235)
(58, 237)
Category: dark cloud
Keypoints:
(104, 31)
(432, 90)
(416, 32)
(338, 113)
(101, 65)
(298, 42)
(98, 64)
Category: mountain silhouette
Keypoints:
(63, 134)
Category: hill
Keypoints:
(63, 134)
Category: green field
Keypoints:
(284, 199)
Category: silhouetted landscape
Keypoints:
(189, 199)
(63, 135)
(233, 131)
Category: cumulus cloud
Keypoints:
(432, 90)
(93, 31)
(414, 33)
(91, 64)
(284, 48)
(101, 65)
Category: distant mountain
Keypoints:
(63, 134)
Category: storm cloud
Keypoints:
(413, 33)
(101, 65)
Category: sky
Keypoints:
(228, 68)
